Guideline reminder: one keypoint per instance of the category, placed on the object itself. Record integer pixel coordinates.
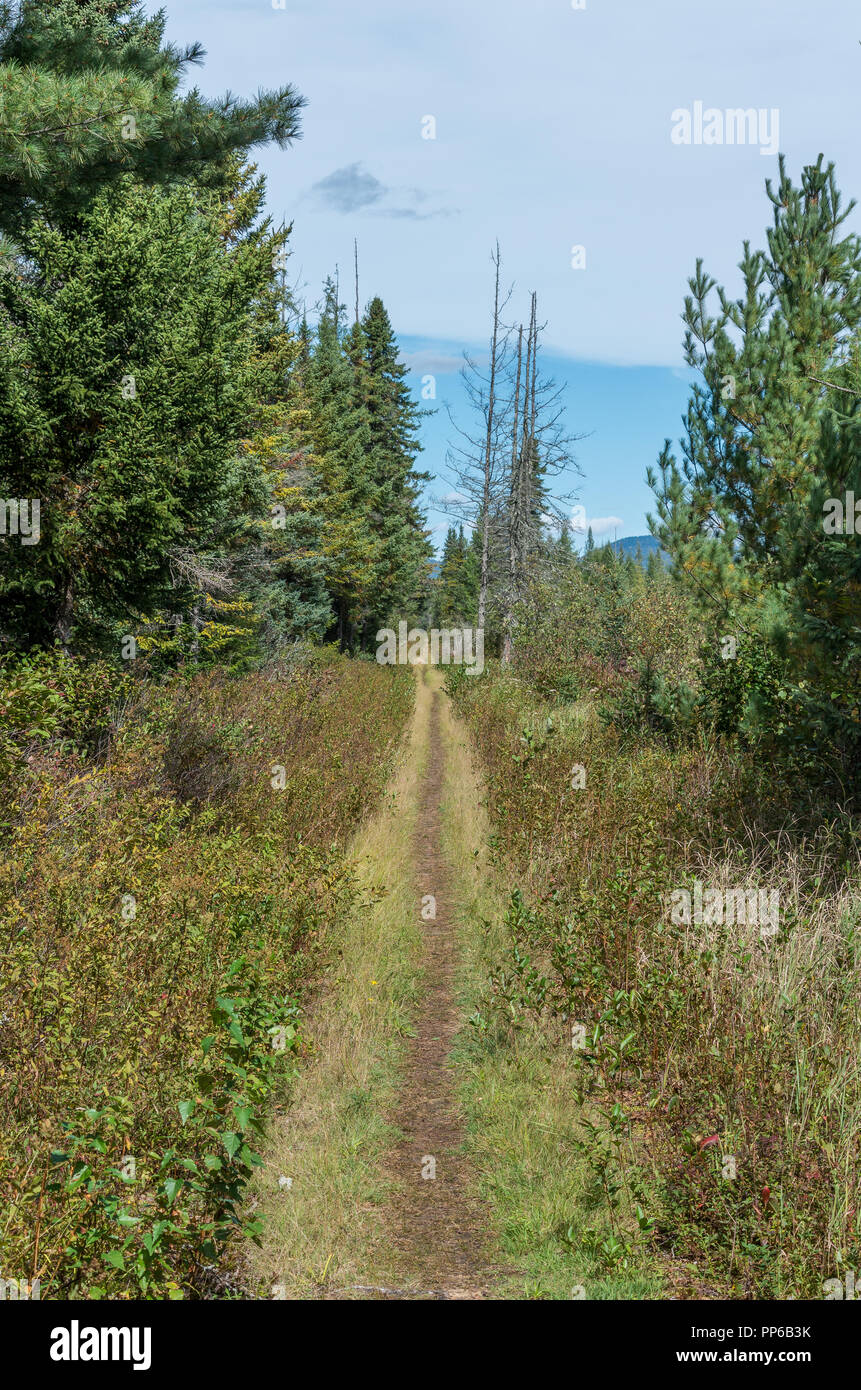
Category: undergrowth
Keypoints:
(720, 1061)
(174, 854)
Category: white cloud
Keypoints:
(602, 524)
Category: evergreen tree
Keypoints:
(457, 586)
(768, 431)
(563, 551)
(280, 564)
(339, 434)
(125, 351)
(405, 550)
(90, 93)
(654, 565)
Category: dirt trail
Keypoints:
(438, 1227)
(347, 1211)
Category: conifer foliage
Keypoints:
(89, 92)
(213, 476)
(771, 440)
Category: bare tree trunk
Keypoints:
(532, 457)
(356, 258)
(521, 515)
(488, 451)
(512, 511)
(196, 625)
(527, 449)
(522, 458)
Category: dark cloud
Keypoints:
(350, 188)
(353, 187)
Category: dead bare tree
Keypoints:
(488, 449)
(476, 467)
(512, 507)
(500, 470)
(540, 450)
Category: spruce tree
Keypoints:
(340, 438)
(458, 582)
(125, 379)
(393, 417)
(280, 565)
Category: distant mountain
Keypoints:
(628, 546)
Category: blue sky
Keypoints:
(553, 129)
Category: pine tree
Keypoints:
(763, 442)
(284, 573)
(564, 556)
(442, 607)
(458, 583)
(654, 565)
(90, 92)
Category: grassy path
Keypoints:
(438, 1228)
(366, 1190)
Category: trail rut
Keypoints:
(438, 1227)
